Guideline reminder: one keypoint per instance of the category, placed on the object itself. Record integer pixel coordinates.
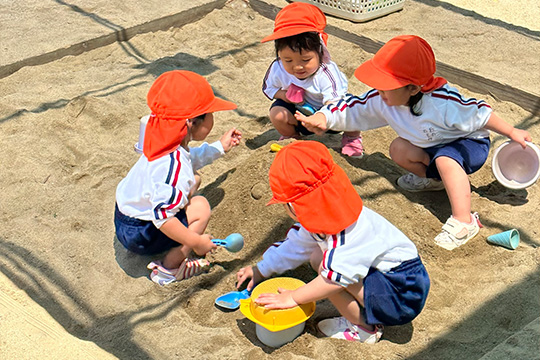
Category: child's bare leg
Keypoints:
(410, 157)
(175, 256)
(348, 302)
(315, 260)
(457, 186)
(198, 214)
(283, 121)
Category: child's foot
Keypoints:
(341, 328)
(352, 146)
(188, 268)
(455, 233)
(413, 183)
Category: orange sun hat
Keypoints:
(305, 175)
(174, 97)
(403, 60)
(297, 18)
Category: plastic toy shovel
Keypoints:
(232, 299)
(295, 94)
(233, 242)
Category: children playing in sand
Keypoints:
(303, 63)
(442, 136)
(156, 206)
(368, 269)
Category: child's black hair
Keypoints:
(413, 103)
(308, 41)
(198, 119)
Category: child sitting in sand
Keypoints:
(303, 63)
(442, 136)
(156, 206)
(368, 269)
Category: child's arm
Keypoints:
(230, 139)
(177, 231)
(281, 94)
(315, 123)
(352, 113)
(317, 289)
(495, 123)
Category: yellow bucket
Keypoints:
(271, 319)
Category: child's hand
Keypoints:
(246, 273)
(283, 300)
(315, 123)
(230, 139)
(520, 136)
(204, 245)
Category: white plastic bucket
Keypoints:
(278, 338)
(515, 167)
(142, 128)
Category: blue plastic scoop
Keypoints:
(232, 299)
(233, 242)
(306, 108)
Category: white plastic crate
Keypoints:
(357, 10)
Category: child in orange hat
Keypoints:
(367, 268)
(442, 136)
(156, 206)
(303, 73)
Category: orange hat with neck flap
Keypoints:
(305, 175)
(174, 97)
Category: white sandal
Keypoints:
(455, 233)
(189, 268)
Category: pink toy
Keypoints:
(295, 94)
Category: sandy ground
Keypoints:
(68, 290)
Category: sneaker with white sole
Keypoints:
(414, 183)
(455, 233)
(189, 268)
(341, 328)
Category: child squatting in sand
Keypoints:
(442, 136)
(368, 269)
(303, 63)
(156, 206)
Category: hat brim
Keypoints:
(372, 76)
(219, 105)
(332, 207)
(289, 31)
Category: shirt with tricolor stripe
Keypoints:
(327, 84)
(372, 241)
(446, 116)
(156, 190)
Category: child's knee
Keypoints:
(397, 148)
(280, 114)
(200, 207)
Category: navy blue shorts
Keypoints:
(301, 129)
(471, 154)
(395, 297)
(143, 237)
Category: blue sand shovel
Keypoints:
(306, 108)
(233, 242)
(232, 299)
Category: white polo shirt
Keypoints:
(156, 190)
